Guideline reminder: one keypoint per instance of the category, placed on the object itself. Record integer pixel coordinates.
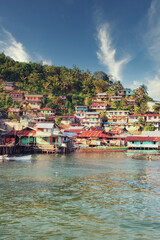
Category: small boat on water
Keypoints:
(15, 158)
(142, 155)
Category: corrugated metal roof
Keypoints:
(74, 130)
(44, 125)
(92, 113)
(22, 132)
(98, 134)
(142, 139)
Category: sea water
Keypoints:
(80, 196)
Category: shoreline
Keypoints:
(108, 149)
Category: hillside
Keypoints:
(77, 85)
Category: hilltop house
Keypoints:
(132, 119)
(153, 119)
(17, 96)
(92, 119)
(48, 113)
(80, 111)
(98, 106)
(117, 116)
(100, 97)
(8, 86)
(33, 100)
(15, 111)
(115, 98)
(125, 92)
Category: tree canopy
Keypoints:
(53, 82)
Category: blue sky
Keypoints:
(119, 37)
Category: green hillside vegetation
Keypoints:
(77, 85)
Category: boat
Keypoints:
(144, 154)
(15, 158)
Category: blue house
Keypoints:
(142, 142)
(125, 92)
(80, 111)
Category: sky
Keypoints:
(118, 37)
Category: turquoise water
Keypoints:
(80, 196)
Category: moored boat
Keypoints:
(15, 158)
(144, 154)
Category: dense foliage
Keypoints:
(78, 86)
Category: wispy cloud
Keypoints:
(152, 42)
(14, 49)
(11, 47)
(152, 37)
(107, 53)
(43, 60)
(154, 87)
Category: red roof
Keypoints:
(74, 130)
(63, 126)
(98, 104)
(98, 134)
(20, 93)
(142, 139)
(22, 132)
(46, 109)
(152, 115)
(136, 115)
(65, 116)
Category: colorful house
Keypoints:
(8, 86)
(93, 138)
(92, 119)
(80, 111)
(100, 97)
(48, 113)
(40, 138)
(34, 100)
(17, 96)
(98, 106)
(132, 119)
(117, 116)
(153, 119)
(142, 142)
(15, 111)
(125, 92)
(115, 98)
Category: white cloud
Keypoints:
(43, 60)
(107, 54)
(12, 48)
(152, 37)
(153, 86)
(47, 62)
(136, 84)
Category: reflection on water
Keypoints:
(80, 196)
